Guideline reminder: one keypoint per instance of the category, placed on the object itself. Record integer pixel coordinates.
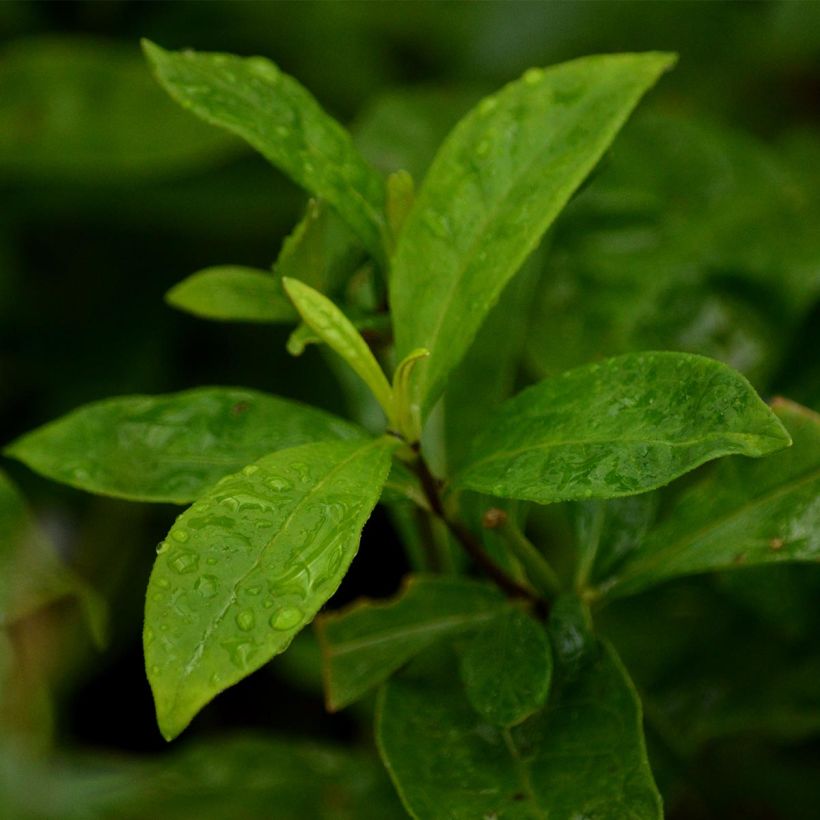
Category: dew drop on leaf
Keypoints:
(245, 620)
(180, 535)
(184, 562)
(286, 618)
(206, 585)
(162, 547)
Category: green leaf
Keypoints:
(582, 756)
(170, 447)
(626, 425)
(256, 101)
(250, 564)
(497, 183)
(506, 668)
(366, 643)
(340, 334)
(85, 110)
(232, 293)
(31, 574)
(744, 513)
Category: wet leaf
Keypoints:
(250, 564)
(626, 425)
(171, 447)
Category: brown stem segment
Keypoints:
(465, 537)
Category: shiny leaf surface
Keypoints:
(249, 565)
(626, 425)
(170, 447)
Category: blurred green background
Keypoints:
(699, 231)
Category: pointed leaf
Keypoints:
(506, 668)
(250, 564)
(363, 645)
(232, 293)
(582, 756)
(497, 183)
(744, 513)
(171, 447)
(253, 99)
(626, 425)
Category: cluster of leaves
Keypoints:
(501, 695)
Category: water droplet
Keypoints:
(149, 635)
(282, 130)
(207, 585)
(164, 583)
(533, 76)
(162, 547)
(211, 561)
(250, 469)
(184, 562)
(245, 620)
(487, 105)
(154, 670)
(254, 590)
(279, 484)
(286, 618)
(230, 502)
(179, 535)
(80, 474)
(241, 654)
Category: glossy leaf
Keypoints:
(31, 573)
(365, 644)
(506, 668)
(582, 756)
(744, 513)
(171, 447)
(253, 99)
(232, 293)
(496, 184)
(250, 564)
(626, 425)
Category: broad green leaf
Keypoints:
(31, 573)
(499, 180)
(582, 756)
(571, 634)
(256, 101)
(506, 668)
(171, 447)
(365, 644)
(626, 425)
(744, 513)
(232, 293)
(85, 110)
(250, 564)
(340, 334)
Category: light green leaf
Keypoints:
(499, 180)
(744, 513)
(171, 447)
(582, 756)
(253, 99)
(250, 564)
(626, 425)
(363, 645)
(86, 110)
(31, 574)
(506, 667)
(340, 334)
(232, 293)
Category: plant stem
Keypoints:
(536, 566)
(465, 537)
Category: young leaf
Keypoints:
(506, 668)
(363, 645)
(31, 574)
(253, 99)
(745, 513)
(232, 293)
(171, 447)
(626, 425)
(582, 756)
(339, 333)
(249, 565)
(497, 183)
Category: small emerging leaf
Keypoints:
(629, 424)
(249, 565)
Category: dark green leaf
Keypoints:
(506, 667)
(250, 564)
(366, 643)
(571, 634)
(253, 99)
(626, 425)
(497, 183)
(582, 756)
(171, 447)
(744, 513)
(232, 293)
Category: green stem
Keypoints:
(538, 569)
